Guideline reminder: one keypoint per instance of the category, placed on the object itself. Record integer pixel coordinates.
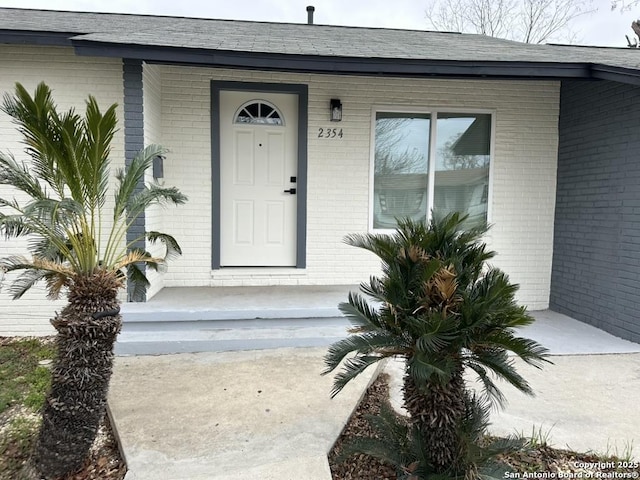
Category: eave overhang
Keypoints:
(616, 74)
(397, 67)
(27, 37)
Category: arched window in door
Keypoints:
(258, 112)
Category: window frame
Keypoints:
(433, 125)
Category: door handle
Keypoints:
(292, 191)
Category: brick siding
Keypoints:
(596, 262)
(523, 173)
(176, 110)
(72, 79)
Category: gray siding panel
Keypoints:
(596, 260)
(133, 137)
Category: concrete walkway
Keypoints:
(256, 415)
(587, 400)
(267, 414)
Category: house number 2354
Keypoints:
(329, 133)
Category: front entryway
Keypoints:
(258, 178)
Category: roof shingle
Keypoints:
(302, 39)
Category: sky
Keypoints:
(604, 28)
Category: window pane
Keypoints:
(462, 165)
(401, 166)
(258, 113)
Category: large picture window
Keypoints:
(430, 161)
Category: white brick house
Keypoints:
(247, 120)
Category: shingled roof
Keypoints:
(316, 48)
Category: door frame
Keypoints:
(302, 91)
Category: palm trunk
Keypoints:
(437, 411)
(87, 328)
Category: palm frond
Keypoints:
(173, 250)
(70, 153)
(40, 126)
(526, 349)
(54, 213)
(13, 226)
(129, 179)
(374, 289)
(12, 204)
(17, 262)
(475, 421)
(498, 362)
(154, 195)
(27, 279)
(379, 342)
(493, 292)
(498, 446)
(435, 340)
(391, 445)
(55, 284)
(478, 455)
(426, 369)
(19, 176)
(359, 313)
(37, 218)
(136, 255)
(380, 448)
(352, 367)
(138, 282)
(99, 130)
(381, 245)
(34, 271)
(490, 390)
(53, 267)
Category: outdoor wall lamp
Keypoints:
(336, 110)
(158, 166)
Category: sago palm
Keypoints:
(443, 309)
(78, 247)
(398, 443)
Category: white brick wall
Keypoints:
(177, 115)
(72, 79)
(524, 169)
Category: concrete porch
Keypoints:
(201, 319)
(267, 415)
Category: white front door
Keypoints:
(258, 163)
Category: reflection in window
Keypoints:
(258, 112)
(401, 166)
(462, 165)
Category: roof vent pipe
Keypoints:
(310, 10)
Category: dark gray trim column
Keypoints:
(215, 176)
(302, 91)
(133, 140)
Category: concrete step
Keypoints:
(211, 335)
(202, 319)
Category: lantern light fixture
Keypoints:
(335, 109)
